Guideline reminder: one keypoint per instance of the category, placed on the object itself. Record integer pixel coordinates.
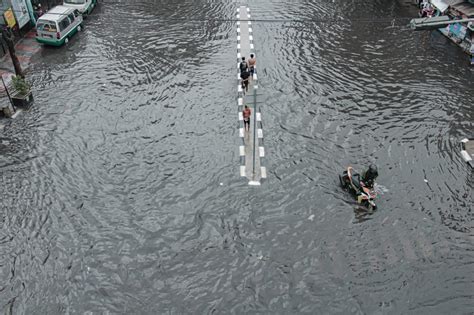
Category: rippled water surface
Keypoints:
(120, 189)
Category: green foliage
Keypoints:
(20, 85)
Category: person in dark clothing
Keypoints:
(243, 65)
(245, 81)
(369, 176)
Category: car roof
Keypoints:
(56, 13)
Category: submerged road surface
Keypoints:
(120, 189)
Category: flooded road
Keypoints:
(121, 188)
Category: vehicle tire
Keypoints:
(79, 28)
(66, 40)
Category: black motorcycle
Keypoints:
(352, 181)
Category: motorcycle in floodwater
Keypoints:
(351, 181)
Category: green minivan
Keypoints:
(58, 25)
(83, 6)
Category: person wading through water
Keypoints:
(246, 113)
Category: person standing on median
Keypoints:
(252, 62)
(245, 81)
(246, 113)
(243, 65)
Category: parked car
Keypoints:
(58, 25)
(83, 6)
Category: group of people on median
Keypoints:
(247, 69)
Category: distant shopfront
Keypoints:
(460, 33)
(21, 13)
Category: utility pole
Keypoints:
(254, 129)
(8, 36)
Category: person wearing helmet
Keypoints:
(369, 176)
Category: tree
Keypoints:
(9, 37)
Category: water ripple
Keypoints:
(120, 187)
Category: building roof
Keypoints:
(443, 5)
(453, 2)
(465, 8)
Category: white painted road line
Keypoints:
(242, 170)
(250, 30)
(238, 46)
(242, 150)
(261, 151)
(250, 37)
(239, 88)
(254, 77)
(241, 116)
(238, 38)
(251, 46)
(263, 170)
(238, 29)
(238, 56)
(241, 132)
(260, 133)
(240, 101)
(250, 23)
(259, 117)
(238, 22)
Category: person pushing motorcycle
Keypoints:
(369, 176)
(361, 185)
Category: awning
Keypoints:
(465, 8)
(440, 5)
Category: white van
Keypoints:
(58, 25)
(83, 6)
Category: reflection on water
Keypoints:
(111, 197)
(362, 214)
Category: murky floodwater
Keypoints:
(111, 196)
